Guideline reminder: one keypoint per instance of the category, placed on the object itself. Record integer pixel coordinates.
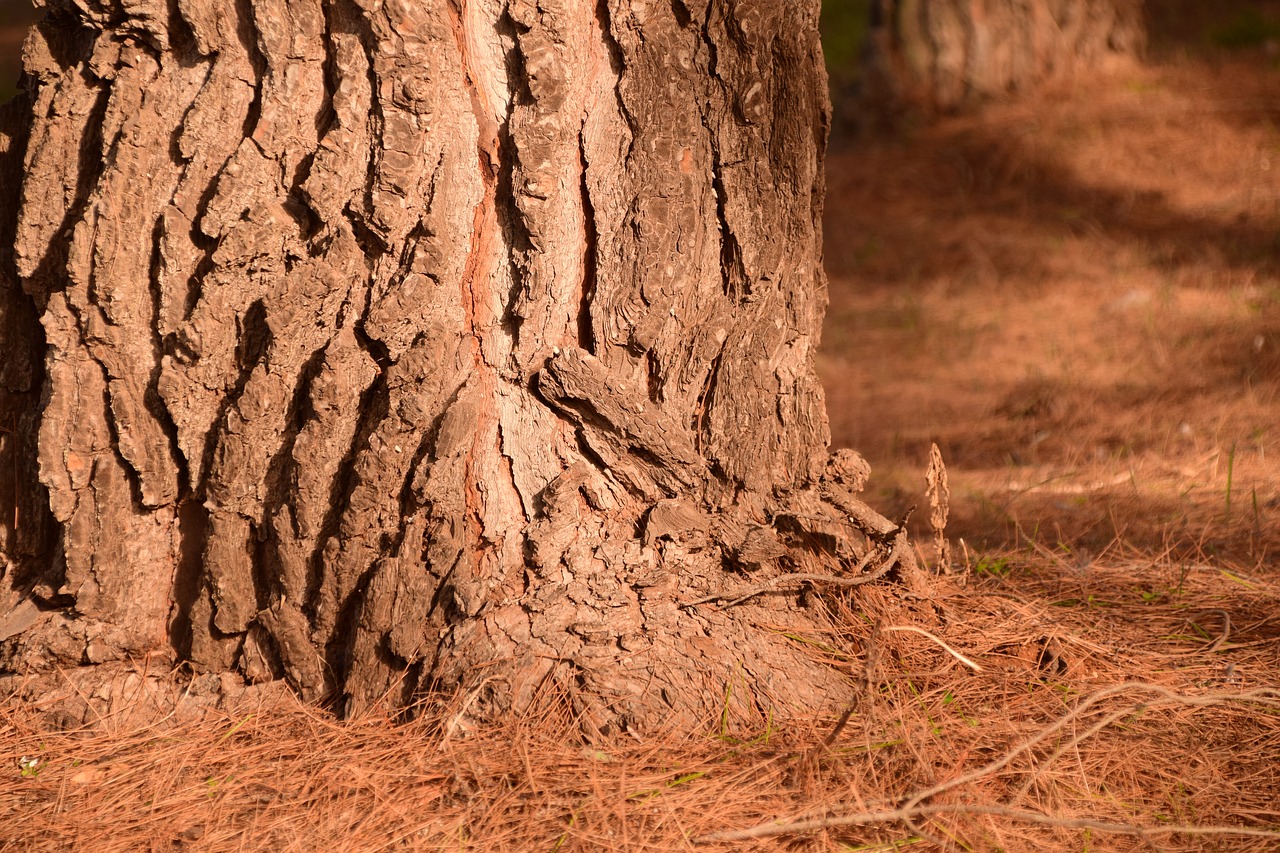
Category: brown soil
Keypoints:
(1078, 298)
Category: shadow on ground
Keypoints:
(1077, 296)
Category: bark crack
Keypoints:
(590, 257)
(701, 426)
(370, 241)
(730, 254)
(247, 31)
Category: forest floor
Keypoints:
(1076, 296)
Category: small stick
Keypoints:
(741, 594)
(456, 722)
(922, 632)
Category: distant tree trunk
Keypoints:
(939, 54)
(387, 348)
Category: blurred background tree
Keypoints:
(15, 17)
(940, 54)
(887, 58)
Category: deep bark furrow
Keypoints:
(26, 527)
(730, 267)
(590, 256)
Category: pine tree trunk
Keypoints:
(940, 54)
(392, 348)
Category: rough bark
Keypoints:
(941, 54)
(397, 347)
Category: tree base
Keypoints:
(648, 619)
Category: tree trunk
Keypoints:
(398, 347)
(940, 54)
